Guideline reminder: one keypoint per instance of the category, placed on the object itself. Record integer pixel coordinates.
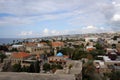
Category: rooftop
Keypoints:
(57, 44)
(20, 55)
(107, 59)
(16, 46)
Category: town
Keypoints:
(93, 56)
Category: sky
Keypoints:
(38, 18)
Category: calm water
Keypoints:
(8, 40)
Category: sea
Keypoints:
(9, 40)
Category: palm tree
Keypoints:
(13, 41)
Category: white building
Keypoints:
(17, 46)
(108, 61)
(91, 38)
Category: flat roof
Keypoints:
(107, 59)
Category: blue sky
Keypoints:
(37, 18)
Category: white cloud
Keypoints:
(91, 27)
(30, 7)
(102, 28)
(26, 33)
(85, 29)
(45, 32)
(116, 17)
(116, 4)
(94, 29)
(49, 32)
(111, 12)
(29, 11)
(74, 12)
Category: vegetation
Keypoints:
(25, 69)
(16, 68)
(14, 49)
(88, 70)
(115, 75)
(2, 56)
(70, 66)
(3, 48)
(37, 67)
(98, 46)
(78, 52)
(34, 68)
(67, 51)
(46, 67)
(56, 66)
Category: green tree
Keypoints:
(32, 68)
(89, 56)
(76, 55)
(79, 54)
(59, 66)
(70, 66)
(3, 47)
(56, 66)
(37, 67)
(115, 75)
(53, 66)
(14, 49)
(2, 56)
(98, 46)
(25, 69)
(88, 70)
(16, 68)
(46, 67)
(67, 51)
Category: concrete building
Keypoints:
(18, 47)
(38, 49)
(88, 39)
(57, 44)
(108, 61)
(17, 57)
(101, 67)
(59, 58)
(75, 69)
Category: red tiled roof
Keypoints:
(57, 44)
(20, 55)
(30, 44)
(90, 49)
